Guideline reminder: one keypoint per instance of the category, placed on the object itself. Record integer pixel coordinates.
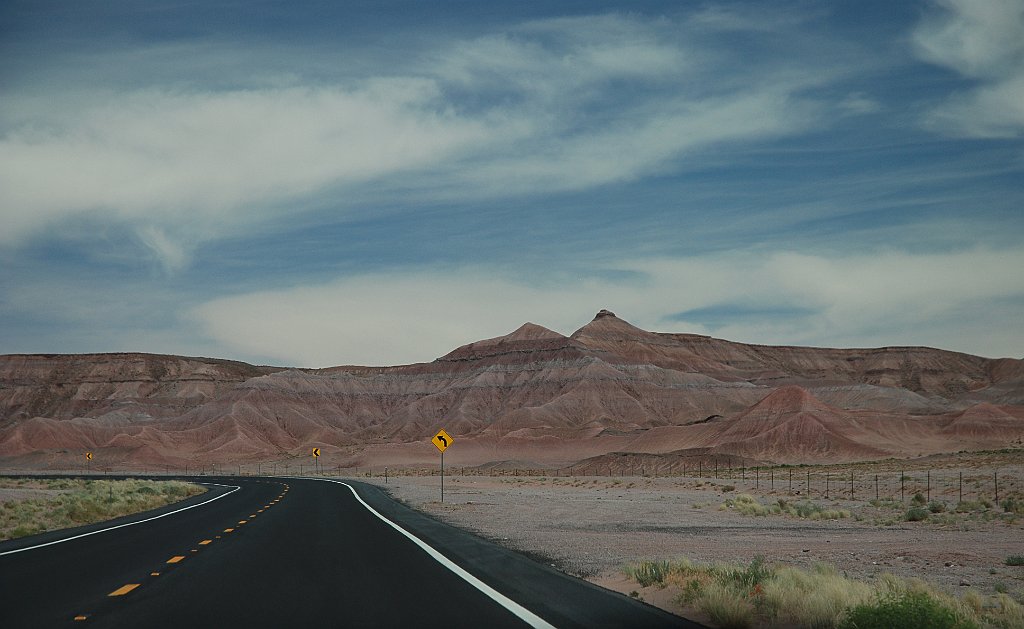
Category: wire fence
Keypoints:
(860, 482)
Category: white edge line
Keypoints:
(155, 517)
(524, 614)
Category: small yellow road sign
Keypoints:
(88, 456)
(442, 440)
(316, 452)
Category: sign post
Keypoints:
(88, 461)
(316, 463)
(441, 441)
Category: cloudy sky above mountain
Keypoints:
(377, 182)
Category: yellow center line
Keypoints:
(175, 559)
(81, 617)
(154, 574)
(228, 530)
(242, 521)
(252, 515)
(124, 589)
(205, 542)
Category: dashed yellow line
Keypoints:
(176, 559)
(205, 542)
(228, 530)
(81, 617)
(124, 589)
(242, 521)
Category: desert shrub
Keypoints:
(727, 488)
(1015, 560)
(1013, 505)
(84, 502)
(648, 573)
(725, 609)
(24, 530)
(916, 514)
(910, 610)
(967, 506)
(755, 573)
(746, 504)
(918, 499)
(936, 507)
(759, 594)
(812, 599)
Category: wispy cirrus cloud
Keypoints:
(545, 106)
(983, 42)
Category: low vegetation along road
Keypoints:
(272, 552)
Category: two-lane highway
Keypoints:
(274, 552)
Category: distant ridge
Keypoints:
(532, 395)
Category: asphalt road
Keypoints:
(282, 552)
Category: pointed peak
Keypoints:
(532, 332)
(790, 398)
(606, 325)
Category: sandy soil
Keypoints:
(591, 527)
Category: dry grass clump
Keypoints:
(745, 504)
(763, 595)
(78, 501)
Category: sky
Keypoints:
(378, 182)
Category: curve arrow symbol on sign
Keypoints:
(443, 440)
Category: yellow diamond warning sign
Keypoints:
(442, 440)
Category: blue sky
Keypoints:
(327, 183)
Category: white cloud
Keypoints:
(552, 105)
(214, 158)
(867, 300)
(983, 41)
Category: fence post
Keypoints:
(903, 478)
(827, 476)
(961, 486)
(771, 473)
(791, 480)
(995, 478)
(757, 478)
(876, 487)
(928, 491)
(851, 484)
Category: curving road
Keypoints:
(284, 552)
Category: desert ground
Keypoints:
(593, 526)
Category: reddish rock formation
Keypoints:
(531, 396)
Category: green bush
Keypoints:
(936, 507)
(1013, 505)
(909, 610)
(649, 573)
(916, 514)
(1015, 560)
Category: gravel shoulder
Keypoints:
(593, 526)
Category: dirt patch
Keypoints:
(591, 527)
